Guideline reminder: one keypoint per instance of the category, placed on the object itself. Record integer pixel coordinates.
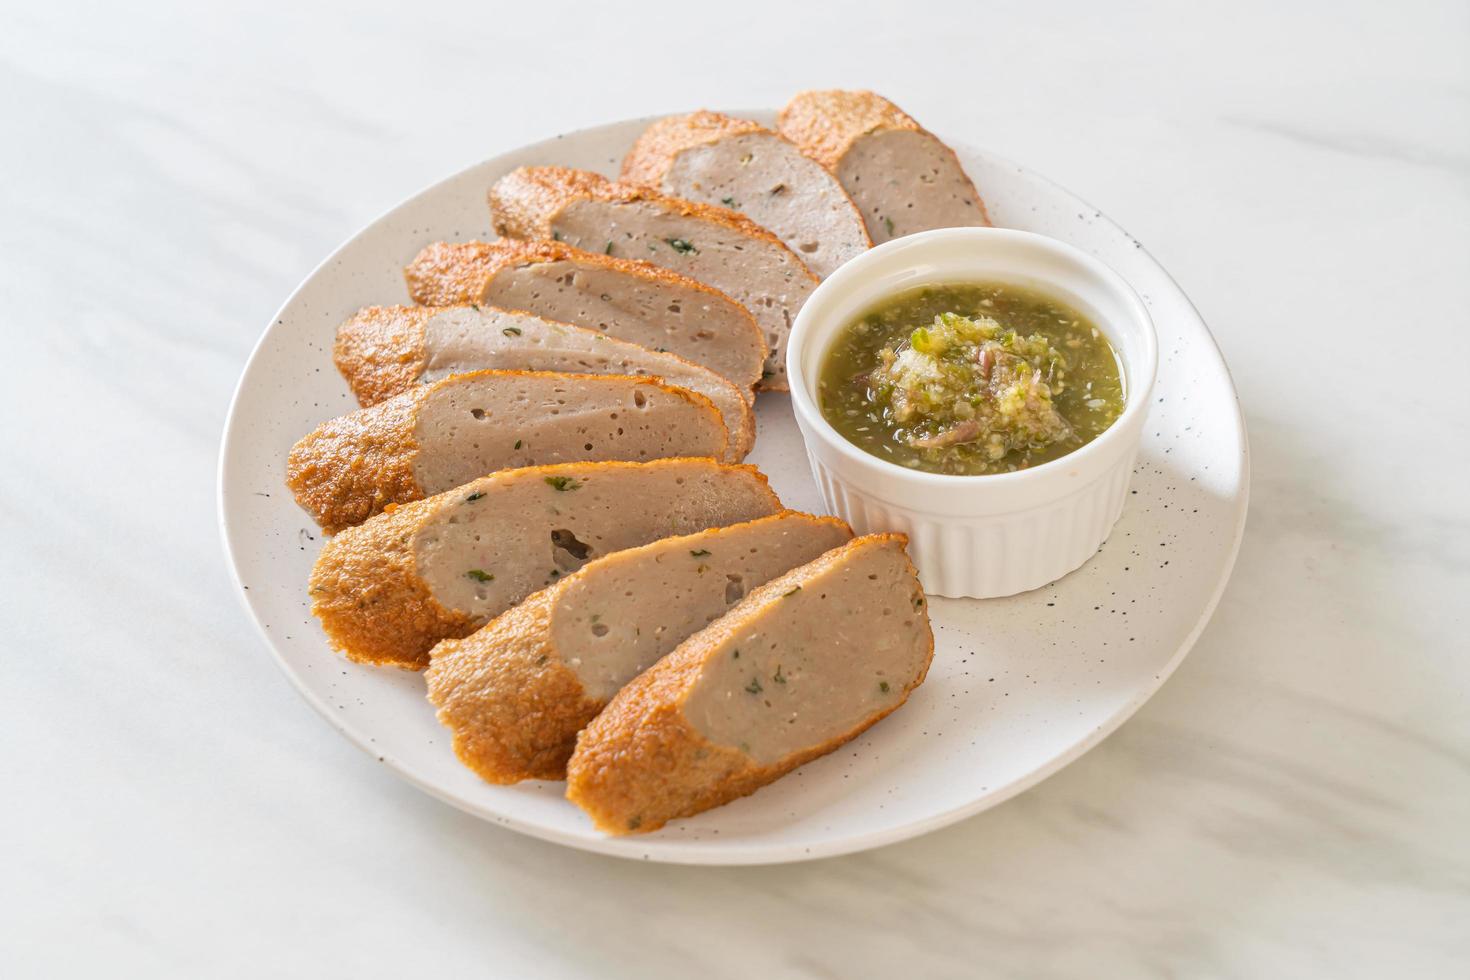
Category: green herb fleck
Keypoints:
(919, 603)
(754, 687)
(518, 444)
(766, 374)
(608, 250)
(737, 655)
(681, 246)
(745, 747)
(479, 575)
(475, 307)
(883, 686)
(541, 660)
(512, 331)
(794, 589)
(562, 483)
(701, 553)
(556, 236)
(728, 202)
(779, 677)
(474, 496)
(888, 223)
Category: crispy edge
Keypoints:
(380, 351)
(459, 273)
(513, 707)
(662, 142)
(525, 202)
(512, 704)
(371, 602)
(620, 773)
(351, 467)
(825, 124)
(451, 273)
(653, 155)
(366, 590)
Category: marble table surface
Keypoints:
(1296, 800)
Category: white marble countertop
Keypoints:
(1295, 802)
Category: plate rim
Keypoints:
(728, 853)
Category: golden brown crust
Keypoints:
(636, 764)
(350, 468)
(525, 202)
(371, 601)
(451, 273)
(623, 789)
(458, 273)
(380, 351)
(825, 123)
(661, 143)
(388, 354)
(353, 466)
(513, 705)
(366, 589)
(518, 732)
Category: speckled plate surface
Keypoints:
(1019, 687)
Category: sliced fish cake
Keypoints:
(386, 591)
(516, 692)
(902, 177)
(634, 301)
(714, 245)
(802, 665)
(717, 159)
(384, 351)
(441, 435)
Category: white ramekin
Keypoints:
(980, 536)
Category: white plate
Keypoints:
(1019, 686)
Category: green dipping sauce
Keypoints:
(971, 379)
